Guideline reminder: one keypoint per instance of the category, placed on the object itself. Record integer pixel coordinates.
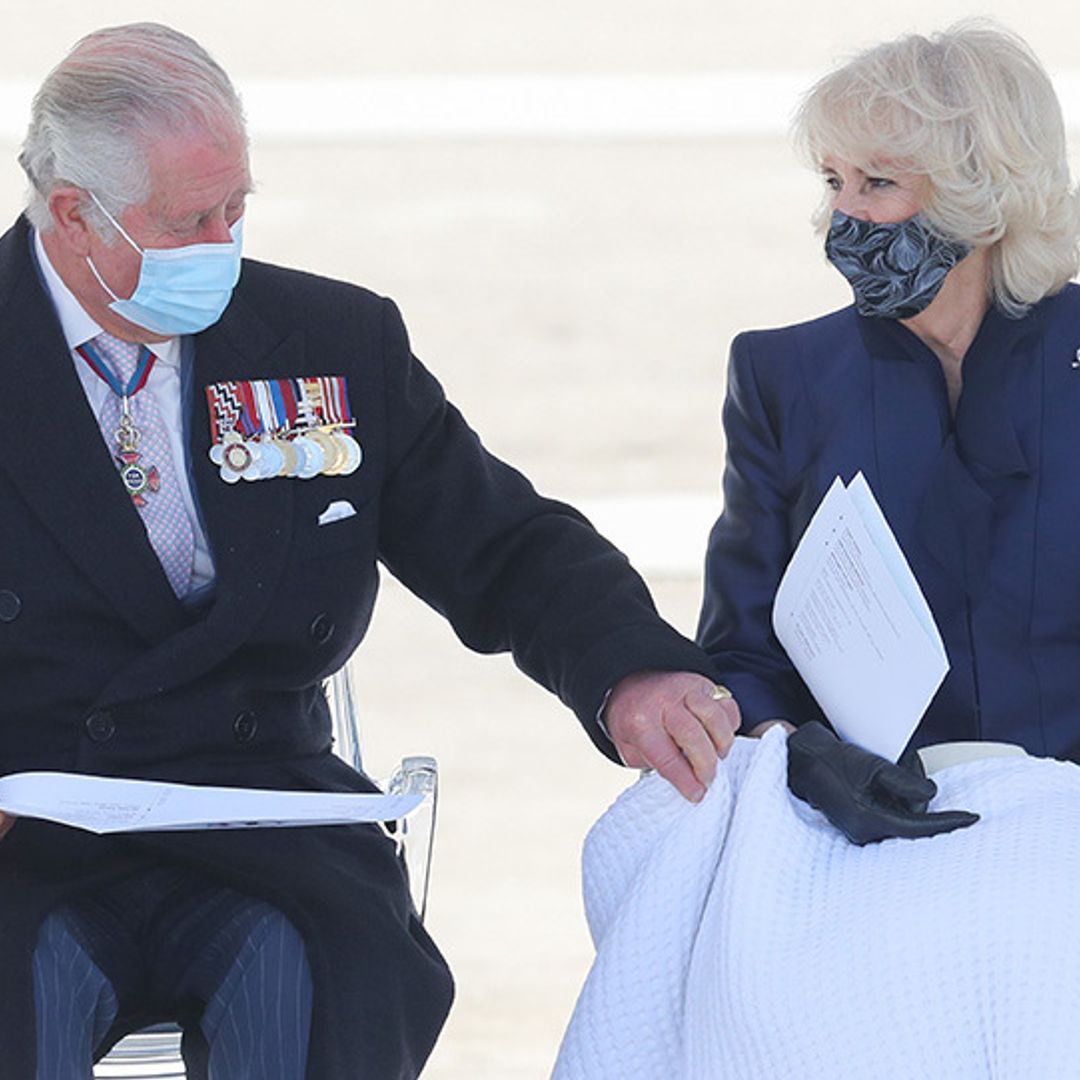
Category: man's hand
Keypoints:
(6, 821)
(865, 796)
(675, 722)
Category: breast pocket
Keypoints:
(333, 519)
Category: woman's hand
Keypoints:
(6, 821)
(867, 797)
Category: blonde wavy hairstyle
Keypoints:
(973, 110)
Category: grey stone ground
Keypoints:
(577, 299)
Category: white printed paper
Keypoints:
(102, 804)
(855, 624)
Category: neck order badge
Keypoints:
(131, 422)
(138, 479)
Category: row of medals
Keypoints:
(320, 451)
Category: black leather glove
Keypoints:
(865, 796)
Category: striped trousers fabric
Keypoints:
(169, 945)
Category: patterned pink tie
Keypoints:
(161, 506)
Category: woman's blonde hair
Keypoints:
(972, 109)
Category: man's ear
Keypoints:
(69, 225)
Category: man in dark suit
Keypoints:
(200, 468)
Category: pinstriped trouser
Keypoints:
(168, 945)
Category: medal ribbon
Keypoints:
(143, 367)
(277, 407)
(249, 418)
(337, 399)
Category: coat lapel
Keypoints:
(248, 524)
(52, 449)
(995, 375)
(946, 476)
(945, 510)
(910, 422)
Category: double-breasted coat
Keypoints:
(103, 670)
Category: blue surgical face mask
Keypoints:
(181, 290)
(894, 268)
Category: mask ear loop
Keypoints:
(120, 229)
(116, 224)
(100, 279)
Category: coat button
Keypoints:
(10, 605)
(100, 726)
(245, 726)
(321, 629)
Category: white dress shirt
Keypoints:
(163, 384)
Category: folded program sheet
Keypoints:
(743, 938)
(106, 804)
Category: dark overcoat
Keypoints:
(102, 670)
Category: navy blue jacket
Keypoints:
(102, 669)
(986, 508)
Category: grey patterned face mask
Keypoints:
(895, 268)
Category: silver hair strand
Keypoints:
(101, 106)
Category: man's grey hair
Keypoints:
(99, 109)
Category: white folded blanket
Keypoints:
(744, 939)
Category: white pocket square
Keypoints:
(337, 511)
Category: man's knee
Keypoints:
(258, 1021)
(74, 1003)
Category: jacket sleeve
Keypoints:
(511, 570)
(750, 545)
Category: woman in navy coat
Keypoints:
(953, 383)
